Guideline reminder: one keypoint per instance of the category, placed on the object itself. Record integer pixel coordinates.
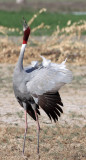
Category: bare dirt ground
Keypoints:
(64, 140)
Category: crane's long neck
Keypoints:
(21, 56)
(19, 65)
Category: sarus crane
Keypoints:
(37, 85)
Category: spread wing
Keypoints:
(48, 79)
(44, 86)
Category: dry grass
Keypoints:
(73, 49)
(58, 142)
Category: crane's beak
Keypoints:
(25, 26)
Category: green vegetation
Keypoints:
(13, 19)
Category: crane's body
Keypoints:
(38, 85)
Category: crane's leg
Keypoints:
(26, 127)
(38, 131)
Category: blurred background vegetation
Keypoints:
(58, 29)
(59, 12)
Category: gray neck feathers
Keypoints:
(21, 56)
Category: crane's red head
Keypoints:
(26, 35)
(26, 30)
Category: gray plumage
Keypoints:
(31, 82)
(38, 85)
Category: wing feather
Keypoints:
(50, 105)
(48, 80)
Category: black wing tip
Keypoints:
(51, 103)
